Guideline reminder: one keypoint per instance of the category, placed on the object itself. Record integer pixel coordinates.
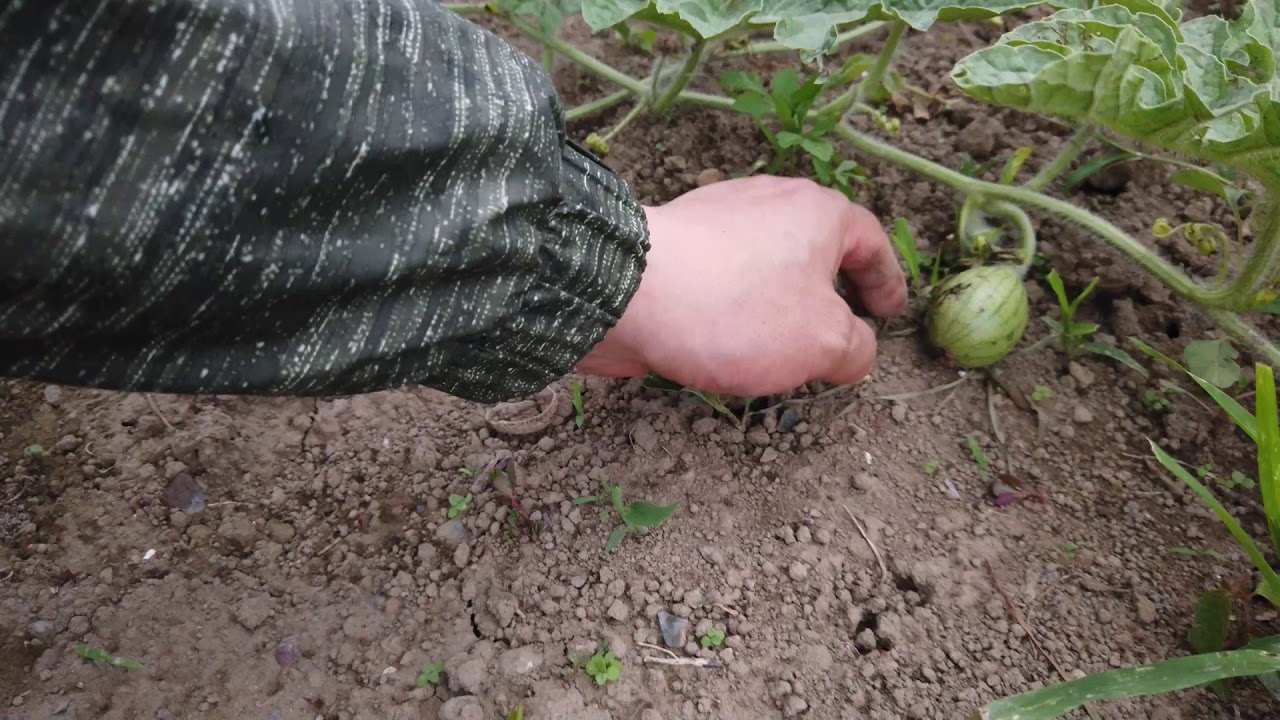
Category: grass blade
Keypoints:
(1092, 167)
(1270, 587)
(1268, 441)
(1162, 677)
(1238, 413)
(615, 538)
(1115, 353)
(1210, 630)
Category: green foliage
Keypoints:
(604, 667)
(713, 638)
(905, 241)
(1163, 677)
(430, 674)
(1071, 334)
(97, 654)
(458, 504)
(636, 515)
(788, 100)
(32, 452)
(1040, 393)
(1213, 360)
(931, 468)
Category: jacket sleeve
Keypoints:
(295, 197)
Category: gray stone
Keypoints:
(452, 533)
(675, 629)
(644, 435)
(463, 707)
(238, 532)
(520, 661)
(41, 629)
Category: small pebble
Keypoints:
(798, 571)
(675, 629)
(1082, 415)
(52, 394)
(708, 177)
(41, 629)
(289, 651)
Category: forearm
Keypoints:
(332, 198)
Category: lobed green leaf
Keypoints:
(1205, 88)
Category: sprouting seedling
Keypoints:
(580, 416)
(430, 674)
(102, 656)
(31, 452)
(931, 468)
(636, 515)
(458, 504)
(1071, 548)
(980, 458)
(502, 477)
(604, 667)
(517, 713)
(1071, 334)
(713, 638)
(1040, 393)
(1237, 479)
(905, 241)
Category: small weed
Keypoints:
(1076, 336)
(99, 655)
(1071, 334)
(1071, 549)
(430, 674)
(980, 458)
(517, 713)
(1040, 393)
(1156, 401)
(905, 241)
(1235, 480)
(636, 515)
(32, 452)
(580, 416)
(604, 667)
(1213, 360)
(931, 468)
(458, 504)
(1191, 552)
(713, 638)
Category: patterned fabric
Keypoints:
(295, 197)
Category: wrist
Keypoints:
(621, 352)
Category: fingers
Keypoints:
(869, 261)
(853, 354)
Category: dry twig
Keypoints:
(1018, 618)
(691, 662)
(659, 649)
(156, 410)
(884, 569)
(726, 609)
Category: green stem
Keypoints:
(583, 60)
(626, 119)
(1026, 231)
(844, 37)
(1261, 266)
(1145, 258)
(855, 94)
(691, 64)
(1062, 162)
(874, 82)
(715, 102)
(596, 106)
(1245, 333)
(548, 59)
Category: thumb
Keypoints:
(853, 352)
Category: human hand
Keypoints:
(739, 299)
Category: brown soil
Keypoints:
(325, 522)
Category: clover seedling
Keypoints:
(604, 667)
(430, 674)
(458, 504)
(1040, 393)
(713, 638)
